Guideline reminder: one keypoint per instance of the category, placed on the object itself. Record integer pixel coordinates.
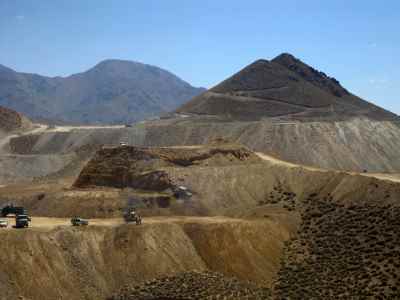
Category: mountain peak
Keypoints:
(285, 56)
(111, 64)
(308, 73)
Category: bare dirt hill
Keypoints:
(285, 87)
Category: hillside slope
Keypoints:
(353, 145)
(114, 91)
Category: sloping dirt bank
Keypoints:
(353, 145)
(92, 262)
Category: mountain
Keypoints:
(114, 91)
(283, 87)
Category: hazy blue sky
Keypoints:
(203, 42)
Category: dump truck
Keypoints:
(12, 210)
(22, 221)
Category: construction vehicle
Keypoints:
(12, 210)
(22, 221)
(132, 216)
(79, 222)
(3, 223)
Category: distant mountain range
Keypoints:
(114, 91)
(284, 87)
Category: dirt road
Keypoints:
(50, 223)
(395, 177)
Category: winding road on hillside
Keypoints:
(40, 128)
(394, 177)
(6, 140)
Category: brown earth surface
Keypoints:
(304, 232)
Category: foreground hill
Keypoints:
(299, 232)
(283, 87)
(114, 91)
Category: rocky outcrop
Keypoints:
(11, 120)
(142, 168)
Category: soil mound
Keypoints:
(193, 285)
(142, 168)
(286, 87)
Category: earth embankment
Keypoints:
(92, 262)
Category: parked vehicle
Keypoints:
(22, 221)
(12, 210)
(182, 192)
(79, 222)
(3, 223)
(132, 216)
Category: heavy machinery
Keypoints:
(12, 210)
(79, 222)
(132, 216)
(22, 221)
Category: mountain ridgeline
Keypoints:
(114, 91)
(284, 87)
